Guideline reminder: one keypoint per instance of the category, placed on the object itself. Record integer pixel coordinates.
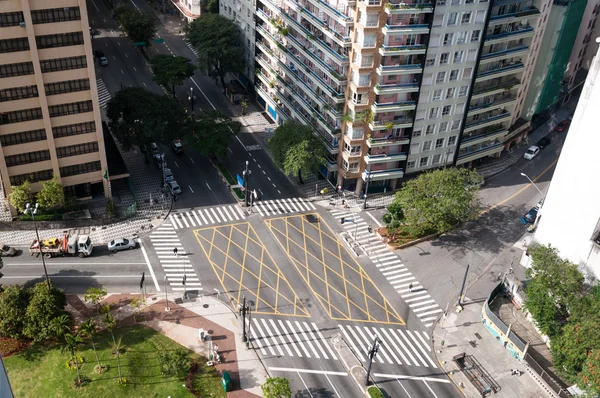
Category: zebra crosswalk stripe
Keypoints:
(283, 343)
(289, 337)
(328, 346)
(299, 341)
(103, 93)
(263, 336)
(271, 335)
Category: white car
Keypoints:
(168, 175)
(174, 188)
(531, 152)
(119, 244)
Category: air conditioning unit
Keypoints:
(22, 24)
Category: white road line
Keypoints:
(189, 216)
(324, 372)
(215, 214)
(430, 389)
(209, 216)
(149, 265)
(423, 340)
(227, 213)
(257, 341)
(389, 339)
(413, 338)
(367, 341)
(307, 339)
(351, 343)
(196, 217)
(408, 343)
(268, 344)
(324, 341)
(316, 341)
(384, 348)
(203, 218)
(271, 336)
(293, 331)
(397, 339)
(283, 343)
(190, 187)
(289, 337)
(239, 211)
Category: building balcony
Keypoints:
(409, 69)
(342, 40)
(504, 102)
(516, 34)
(402, 8)
(497, 135)
(378, 125)
(337, 16)
(270, 101)
(516, 67)
(386, 142)
(331, 164)
(490, 150)
(495, 89)
(487, 122)
(403, 50)
(394, 106)
(416, 29)
(526, 13)
(511, 52)
(385, 158)
(382, 174)
(396, 88)
(333, 148)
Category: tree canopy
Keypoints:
(170, 71)
(13, 304)
(216, 39)
(139, 26)
(437, 200)
(296, 149)
(276, 387)
(44, 305)
(52, 195)
(138, 116)
(210, 133)
(20, 195)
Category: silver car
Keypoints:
(116, 245)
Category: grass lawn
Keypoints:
(40, 371)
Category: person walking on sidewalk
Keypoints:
(410, 288)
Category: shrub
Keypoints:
(174, 362)
(9, 346)
(375, 392)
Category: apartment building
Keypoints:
(395, 88)
(49, 112)
(242, 12)
(189, 9)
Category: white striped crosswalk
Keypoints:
(103, 94)
(282, 206)
(192, 48)
(176, 266)
(390, 265)
(206, 216)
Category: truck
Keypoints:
(68, 245)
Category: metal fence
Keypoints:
(552, 384)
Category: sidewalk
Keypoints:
(182, 324)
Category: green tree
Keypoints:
(44, 305)
(20, 195)
(72, 343)
(111, 323)
(276, 387)
(437, 200)
(52, 195)
(211, 133)
(117, 348)
(138, 116)
(213, 6)
(13, 306)
(170, 71)
(61, 325)
(393, 218)
(589, 377)
(216, 39)
(95, 295)
(139, 26)
(89, 328)
(296, 149)
(543, 309)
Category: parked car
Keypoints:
(158, 159)
(544, 142)
(562, 126)
(174, 188)
(7, 251)
(531, 152)
(529, 217)
(154, 148)
(101, 57)
(119, 244)
(177, 146)
(168, 175)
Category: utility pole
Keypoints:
(167, 309)
(244, 310)
(32, 210)
(184, 287)
(462, 288)
(247, 174)
(191, 97)
(372, 352)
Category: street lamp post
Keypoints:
(191, 97)
(247, 174)
(372, 352)
(166, 296)
(533, 183)
(244, 310)
(367, 187)
(33, 211)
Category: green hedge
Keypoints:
(375, 392)
(231, 180)
(40, 217)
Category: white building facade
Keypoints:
(570, 217)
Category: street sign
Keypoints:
(159, 41)
(240, 180)
(139, 43)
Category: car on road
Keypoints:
(543, 142)
(562, 126)
(168, 175)
(7, 251)
(101, 57)
(530, 216)
(177, 146)
(119, 244)
(174, 188)
(532, 152)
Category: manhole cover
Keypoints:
(205, 306)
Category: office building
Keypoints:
(49, 113)
(243, 13)
(575, 185)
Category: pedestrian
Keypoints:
(410, 288)
(499, 276)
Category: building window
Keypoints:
(427, 146)
(423, 162)
(444, 58)
(355, 133)
(466, 18)
(80, 169)
(43, 175)
(436, 95)
(441, 76)
(21, 116)
(452, 18)
(458, 56)
(430, 62)
(461, 38)
(73, 129)
(439, 143)
(433, 112)
(15, 93)
(353, 150)
(452, 140)
(453, 75)
(55, 15)
(59, 40)
(417, 132)
(467, 73)
(455, 125)
(25, 158)
(448, 39)
(446, 110)
(436, 159)
(20, 69)
(14, 45)
(475, 35)
(429, 129)
(462, 91)
(410, 164)
(70, 109)
(450, 92)
(58, 64)
(23, 137)
(11, 18)
(78, 149)
(356, 97)
(350, 166)
(68, 86)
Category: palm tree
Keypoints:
(73, 341)
(61, 325)
(116, 348)
(89, 328)
(111, 322)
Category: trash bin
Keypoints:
(226, 382)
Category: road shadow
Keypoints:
(314, 393)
